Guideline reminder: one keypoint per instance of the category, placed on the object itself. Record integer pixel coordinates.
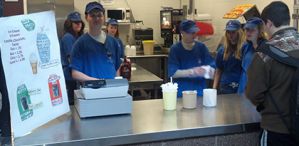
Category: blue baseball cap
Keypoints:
(233, 25)
(94, 5)
(253, 22)
(74, 16)
(112, 22)
(188, 26)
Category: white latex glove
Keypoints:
(210, 71)
(198, 71)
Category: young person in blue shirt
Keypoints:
(187, 58)
(228, 59)
(95, 55)
(254, 29)
(73, 29)
(112, 30)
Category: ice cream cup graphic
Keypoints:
(33, 62)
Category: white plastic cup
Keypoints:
(189, 99)
(133, 50)
(127, 50)
(170, 99)
(210, 97)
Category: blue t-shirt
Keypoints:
(121, 45)
(96, 59)
(179, 59)
(231, 68)
(247, 56)
(66, 45)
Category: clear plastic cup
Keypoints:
(169, 91)
(169, 100)
(189, 99)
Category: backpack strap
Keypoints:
(278, 54)
(286, 59)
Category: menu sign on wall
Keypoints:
(30, 55)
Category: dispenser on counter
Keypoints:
(170, 20)
(140, 34)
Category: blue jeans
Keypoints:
(230, 88)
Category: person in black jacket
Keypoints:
(4, 113)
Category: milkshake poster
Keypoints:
(30, 55)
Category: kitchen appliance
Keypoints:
(170, 20)
(141, 34)
(122, 15)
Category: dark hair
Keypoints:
(68, 28)
(277, 12)
(116, 34)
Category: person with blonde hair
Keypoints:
(229, 59)
(254, 29)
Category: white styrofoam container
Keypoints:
(114, 88)
(102, 106)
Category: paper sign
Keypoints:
(30, 55)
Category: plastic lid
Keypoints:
(189, 92)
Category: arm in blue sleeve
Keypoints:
(68, 42)
(173, 62)
(76, 58)
(63, 55)
(219, 59)
(118, 56)
(208, 59)
(122, 50)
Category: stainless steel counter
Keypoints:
(148, 122)
(142, 79)
(156, 63)
(148, 56)
(140, 75)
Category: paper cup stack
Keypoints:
(210, 97)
